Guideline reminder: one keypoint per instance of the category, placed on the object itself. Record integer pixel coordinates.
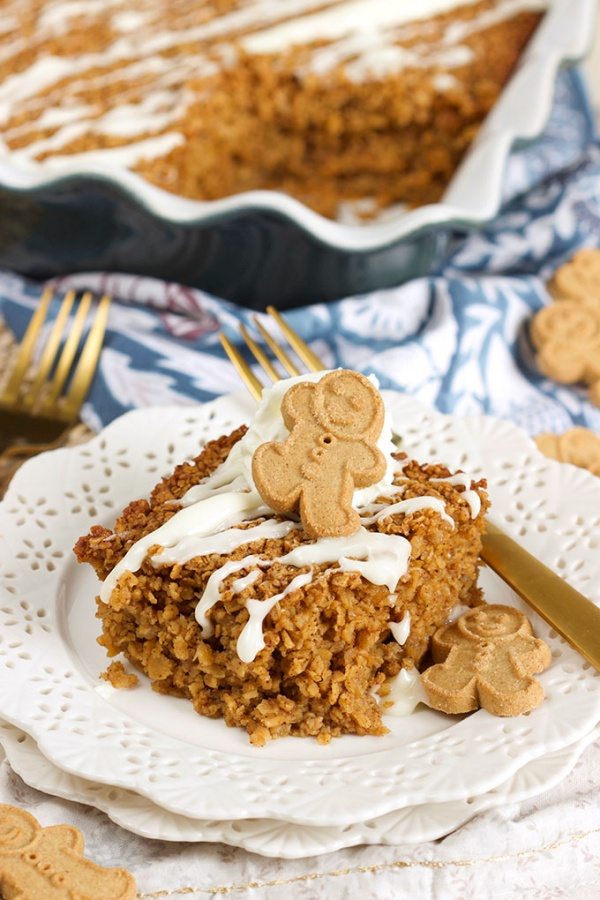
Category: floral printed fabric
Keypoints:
(457, 340)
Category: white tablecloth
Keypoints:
(544, 848)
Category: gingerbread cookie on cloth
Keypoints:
(486, 659)
(579, 279)
(48, 864)
(332, 449)
(566, 334)
(578, 446)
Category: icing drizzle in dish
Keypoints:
(48, 103)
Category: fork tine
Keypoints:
(278, 351)
(259, 355)
(69, 350)
(244, 370)
(307, 356)
(88, 361)
(13, 386)
(50, 352)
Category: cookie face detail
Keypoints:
(486, 659)
(491, 622)
(579, 279)
(48, 863)
(348, 405)
(332, 449)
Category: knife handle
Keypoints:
(571, 614)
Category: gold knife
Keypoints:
(571, 614)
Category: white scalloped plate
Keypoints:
(193, 766)
(268, 837)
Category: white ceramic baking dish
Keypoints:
(264, 246)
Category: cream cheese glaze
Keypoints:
(251, 640)
(211, 510)
(401, 629)
(405, 694)
(380, 558)
(469, 496)
(354, 16)
(213, 587)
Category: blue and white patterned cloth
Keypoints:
(456, 340)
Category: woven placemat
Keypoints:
(78, 434)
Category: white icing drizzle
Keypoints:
(469, 496)
(381, 61)
(405, 694)
(211, 487)
(362, 35)
(55, 16)
(251, 640)
(125, 156)
(506, 9)
(42, 73)
(356, 16)
(393, 490)
(401, 630)
(128, 20)
(213, 587)
(206, 524)
(8, 23)
(380, 558)
(54, 117)
(221, 542)
(213, 515)
(152, 113)
(444, 82)
(406, 507)
(240, 584)
(250, 16)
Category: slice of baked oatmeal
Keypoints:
(333, 635)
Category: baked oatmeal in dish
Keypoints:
(327, 100)
(218, 599)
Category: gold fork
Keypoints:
(35, 406)
(571, 614)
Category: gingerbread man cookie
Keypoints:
(487, 659)
(579, 279)
(334, 425)
(47, 863)
(566, 335)
(578, 446)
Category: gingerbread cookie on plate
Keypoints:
(486, 659)
(332, 449)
